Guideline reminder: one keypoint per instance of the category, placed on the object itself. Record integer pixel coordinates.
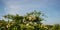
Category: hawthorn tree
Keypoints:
(31, 21)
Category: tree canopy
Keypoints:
(29, 21)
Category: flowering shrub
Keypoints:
(30, 21)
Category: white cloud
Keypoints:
(15, 6)
(11, 8)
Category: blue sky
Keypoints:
(49, 7)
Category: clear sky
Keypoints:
(50, 7)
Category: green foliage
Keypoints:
(30, 21)
(56, 27)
